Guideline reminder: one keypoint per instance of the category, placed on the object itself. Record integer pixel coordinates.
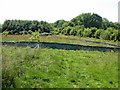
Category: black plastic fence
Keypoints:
(59, 46)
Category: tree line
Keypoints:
(84, 25)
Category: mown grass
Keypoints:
(53, 68)
(60, 39)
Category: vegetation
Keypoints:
(24, 67)
(59, 39)
(84, 25)
(52, 68)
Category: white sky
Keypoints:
(53, 10)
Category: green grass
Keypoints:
(59, 39)
(53, 68)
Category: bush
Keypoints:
(98, 33)
(105, 35)
(115, 36)
(29, 32)
(67, 31)
(80, 32)
(111, 30)
(93, 30)
(73, 32)
(87, 33)
(24, 32)
(5, 33)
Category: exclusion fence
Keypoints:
(60, 46)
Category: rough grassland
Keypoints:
(60, 39)
(53, 68)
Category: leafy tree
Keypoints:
(19, 26)
(105, 23)
(59, 23)
(96, 21)
(88, 20)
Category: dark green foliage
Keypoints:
(93, 30)
(18, 26)
(105, 23)
(86, 24)
(88, 20)
(59, 23)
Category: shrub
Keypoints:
(5, 33)
(115, 36)
(93, 30)
(97, 33)
(87, 33)
(67, 31)
(105, 35)
(111, 30)
(29, 32)
(80, 32)
(73, 32)
(24, 32)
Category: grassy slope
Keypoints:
(60, 39)
(43, 68)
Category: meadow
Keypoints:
(79, 53)
(24, 67)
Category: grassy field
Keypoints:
(60, 39)
(53, 68)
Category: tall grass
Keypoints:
(53, 68)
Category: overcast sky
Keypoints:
(52, 10)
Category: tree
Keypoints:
(88, 20)
(105, 23)
(95, 21)
(18, 26)
(59, 23)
